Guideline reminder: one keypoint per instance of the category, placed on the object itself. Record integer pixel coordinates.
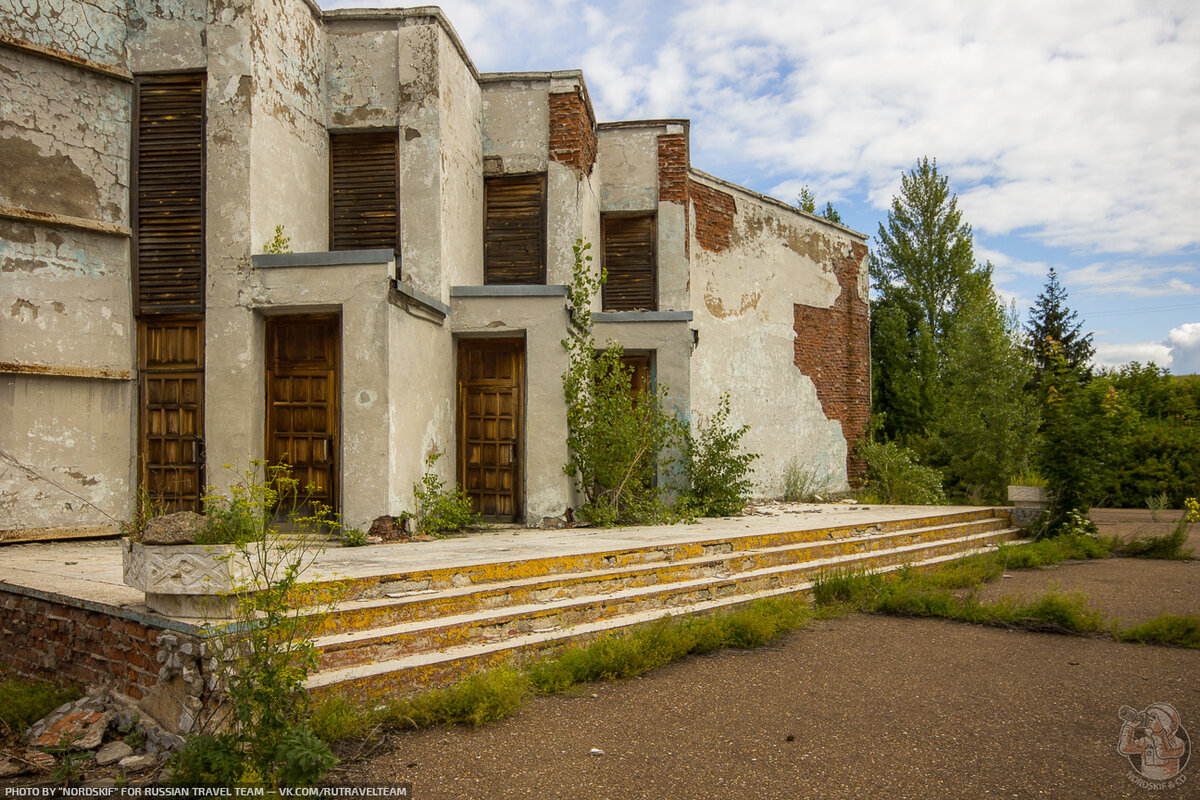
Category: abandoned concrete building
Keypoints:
(149, 149)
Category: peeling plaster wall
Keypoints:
(543, 320)
(362, 74)
(516, 118)
(628, 159)
(75, 433)
(92, 30)
(460, 109)
(420, 155)
(64, 290)
(421, 416)
(742, 298)
(66, 299)
(166, 35)
(64, 139)
(289, 156)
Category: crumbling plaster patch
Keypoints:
(63, 430)
(362, 78)
(64, 139)
(93, 30)
(73, 288)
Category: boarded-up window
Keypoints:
(514, 237)
(629, 258)
(168, 213)
(363, 181)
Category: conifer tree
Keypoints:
(1051, 319)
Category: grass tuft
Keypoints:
(1182, 631)
(23, 701)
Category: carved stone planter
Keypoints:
(1028, 502)
(186, 580)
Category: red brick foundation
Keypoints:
(54, 640)
(572, 131)
(833, 349)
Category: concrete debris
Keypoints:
(595, 751)
(137, 763)
(112, 752)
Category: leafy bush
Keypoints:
(718, 471)
(354, 537)
(262, 657)
(895, 476)
(617, 438)
(439, 508)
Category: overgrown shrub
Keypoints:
(440, 508)
(617, 438)
(895, 477)
(718, 470)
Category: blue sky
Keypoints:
(1069, 130)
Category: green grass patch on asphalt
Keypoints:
(487, 696)
(1172, 629)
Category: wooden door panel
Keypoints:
(302, 387)
(491, 377)
(171, 411)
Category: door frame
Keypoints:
(512, 343)
(335, 395)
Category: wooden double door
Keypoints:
(491, 412)
(303, 387)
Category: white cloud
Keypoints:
(1180, 352)
(1185, 348)
(1114, 355)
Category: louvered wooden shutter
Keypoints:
(169, 195)
(363, 177)
(514, 238)
(629, 259)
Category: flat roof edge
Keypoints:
(704, 176)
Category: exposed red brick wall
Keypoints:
(672, 168)
(832, 348)
(714, 216)
(46, 639)
(572, 131)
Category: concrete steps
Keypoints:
(407, 631)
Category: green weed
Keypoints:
(23, 701)
(1183, 631)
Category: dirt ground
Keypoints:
(874, 706)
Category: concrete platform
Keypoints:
(90, 570)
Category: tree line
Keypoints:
(961, 385)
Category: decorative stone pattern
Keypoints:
(182, 569)
(572, 131)
(833, 349)
(714, 216)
